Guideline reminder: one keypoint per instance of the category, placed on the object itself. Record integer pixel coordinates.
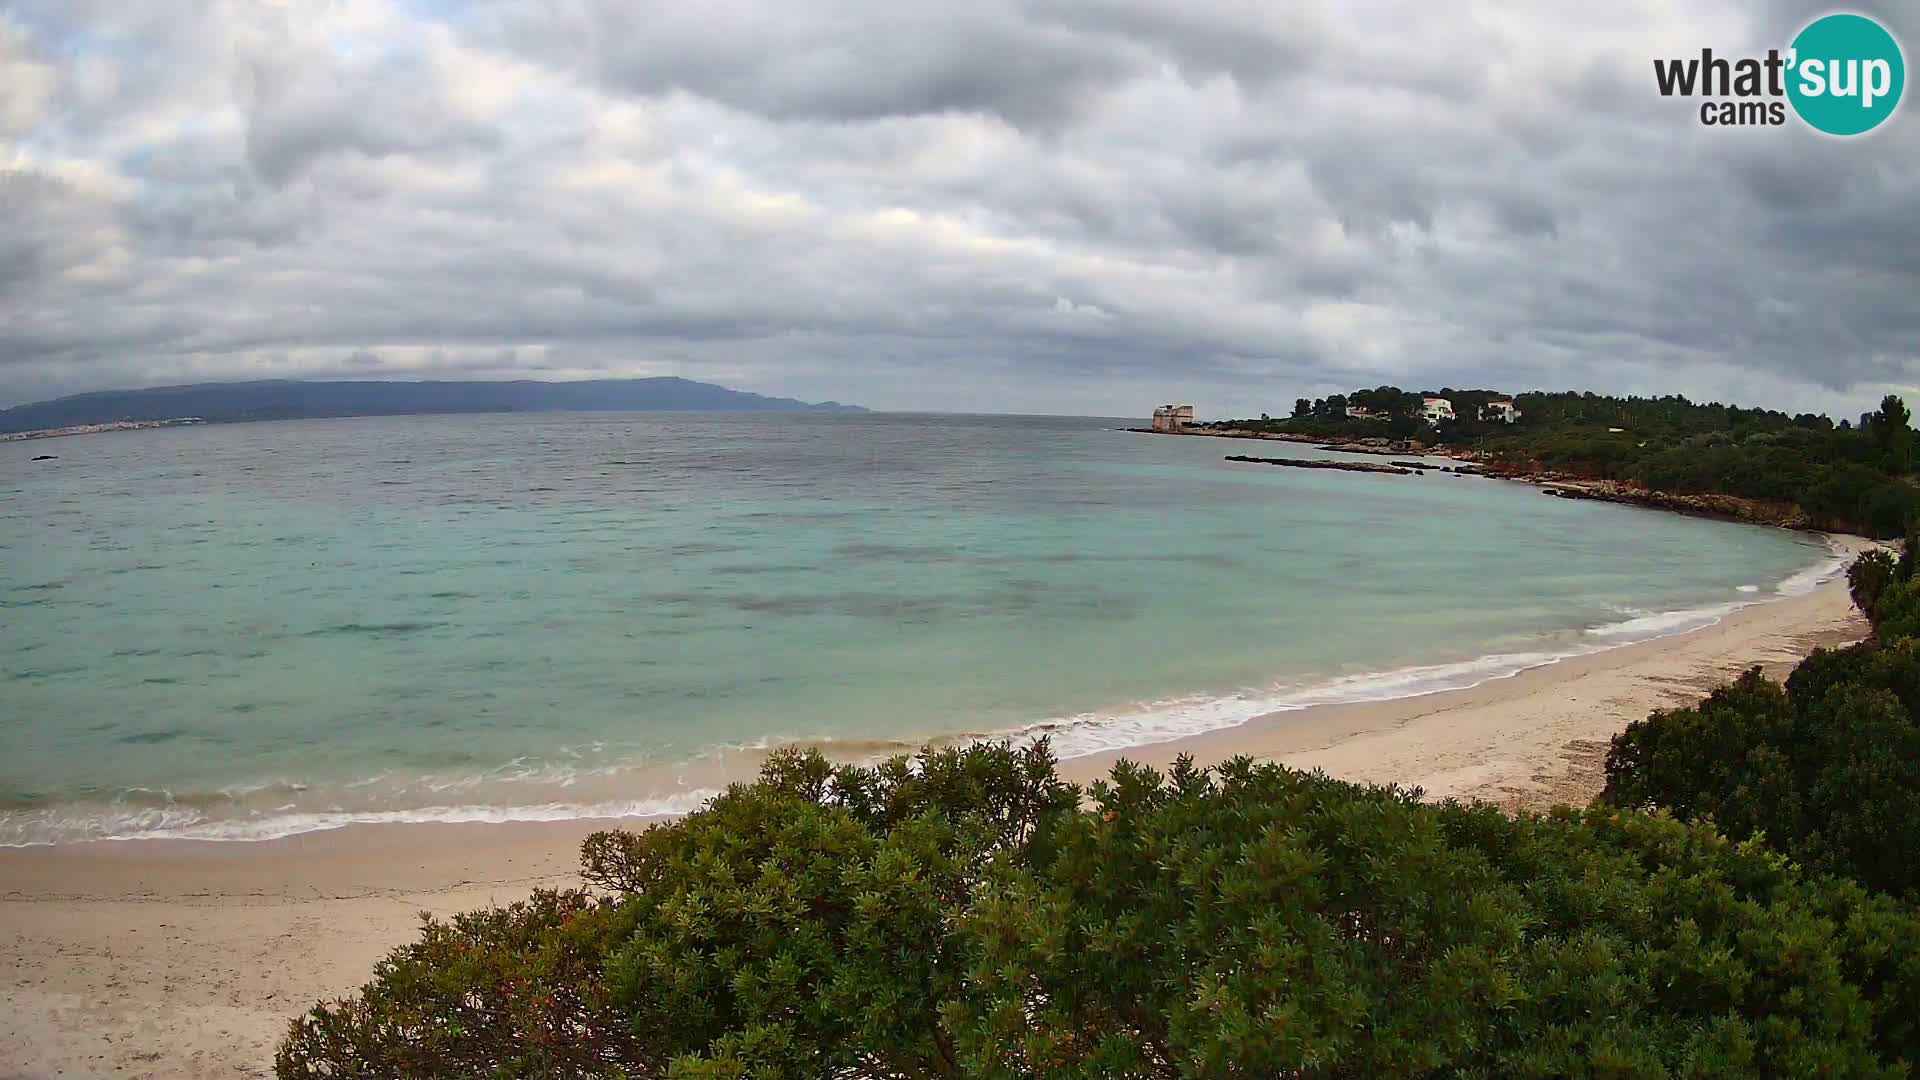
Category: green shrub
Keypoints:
(1252, 921)
(1868, 577)
(1827, 768)
(1727, 759)
(965, 915)
(1896, 614)
(507, 992)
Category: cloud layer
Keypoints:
(1078, 206)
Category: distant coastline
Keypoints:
(160, 406)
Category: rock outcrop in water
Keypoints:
(1317, 463)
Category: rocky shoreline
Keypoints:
(1376, 445)
(1562, 485)
(1725, 507)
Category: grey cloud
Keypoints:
(1080, 206)
(297, 112)
(48, 231)
(826, 60)
(1256, 44)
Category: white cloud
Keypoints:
(29, 82)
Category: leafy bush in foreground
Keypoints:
(1826, 767)
(965, 915)
(510, 991)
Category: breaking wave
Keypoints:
(141, 814)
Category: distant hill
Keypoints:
(286, 399)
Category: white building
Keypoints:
(1172, 418)
(1436, 409)
(1362, 413)
(1503, 411)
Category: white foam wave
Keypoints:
(42, 828)
(1814, 576)
(1072, 736)
(1645, 627)
(1664, 623)
(1178, 718)
(1169, 720)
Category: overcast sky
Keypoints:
(1075, 206)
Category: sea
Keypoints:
(244, 631)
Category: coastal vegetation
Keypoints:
(1847, 476)
(1825, 767)
(968, 914)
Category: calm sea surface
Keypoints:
(248, 630)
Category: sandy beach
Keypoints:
(177, 958)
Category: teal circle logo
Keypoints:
(1845, 74)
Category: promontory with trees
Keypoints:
(1805, 469)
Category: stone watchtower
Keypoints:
(1172, 419)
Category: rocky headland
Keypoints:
(1783, 515)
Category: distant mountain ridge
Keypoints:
(294, 399)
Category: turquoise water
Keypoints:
(243, 631)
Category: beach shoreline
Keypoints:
(255, 813)
(1533, 739)
(183, 958)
